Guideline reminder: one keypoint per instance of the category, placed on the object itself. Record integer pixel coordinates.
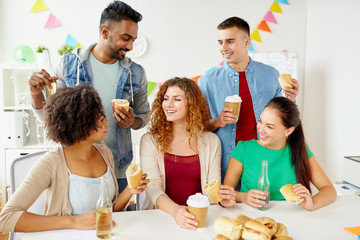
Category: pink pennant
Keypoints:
(52, 22)
(269, 17)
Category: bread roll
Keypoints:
(133, 175)
(284, 80)
(120, 103)
(255, 230)
(283, 238)
(220, 237)
(269, 223)
(227, 227)
(288, 193)
(241, 219)
(281, 230)
(211, 190)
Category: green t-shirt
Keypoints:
(280, 171)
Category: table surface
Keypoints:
(325, 223)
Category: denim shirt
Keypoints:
(223, 81)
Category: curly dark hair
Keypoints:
(72, 113)
(198, 114)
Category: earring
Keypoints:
(286, 136)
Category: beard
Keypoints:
(116, 53)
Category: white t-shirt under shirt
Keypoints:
(105, 81)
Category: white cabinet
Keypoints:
(21, 133)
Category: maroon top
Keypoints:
(183, 177)
(246, 125)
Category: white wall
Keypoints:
(332, 82)
(182, 42)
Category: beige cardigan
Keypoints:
(152, 163)
(49, 174)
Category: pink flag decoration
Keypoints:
(269, 17)
(52, 22)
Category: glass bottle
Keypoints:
(104, 212)
(263, 184)
(48, 67)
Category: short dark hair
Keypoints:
(72, 113)
(240, 23)
(118, 11)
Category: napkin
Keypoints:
(353, 230)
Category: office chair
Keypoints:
(18, 171)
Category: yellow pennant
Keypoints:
(256, 36)
(276, 8)
(39, 6)
(79, 46)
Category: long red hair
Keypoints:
(198, 114)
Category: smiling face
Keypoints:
(271, 130)
(175, 105)
(233, 44)
(119, 37)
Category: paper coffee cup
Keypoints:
(120, 103)
(198, 205)
(234, 102)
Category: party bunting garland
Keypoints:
(263, 26)
(52, 22)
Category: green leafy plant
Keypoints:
(64, 49)
(41, 48)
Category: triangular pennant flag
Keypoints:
(196, 78)
(276, 8)
(151, 86)
(263, 26)
(39, 6)
(255, 36)
(269, 17)
(251, 48)
(283, 1)
(79, 46)
(52, 22)
(71, 41)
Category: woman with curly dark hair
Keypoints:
(179, 154)
(69, 174)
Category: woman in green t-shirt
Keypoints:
(282, 144)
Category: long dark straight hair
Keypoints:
(290, 117)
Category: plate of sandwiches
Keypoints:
(245, 228)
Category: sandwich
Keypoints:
(289, 194)
(120, 103)
(228, 228)
(269, 223)
(254, 230)
(281, 230)
(283, 238)
(211, 190)
(284, 80)
(220, 237)
(134, 175)
(242, 219)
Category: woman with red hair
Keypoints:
(178, 153)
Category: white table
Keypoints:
(326, 223)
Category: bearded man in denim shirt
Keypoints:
(105, 67)
(255, 82)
